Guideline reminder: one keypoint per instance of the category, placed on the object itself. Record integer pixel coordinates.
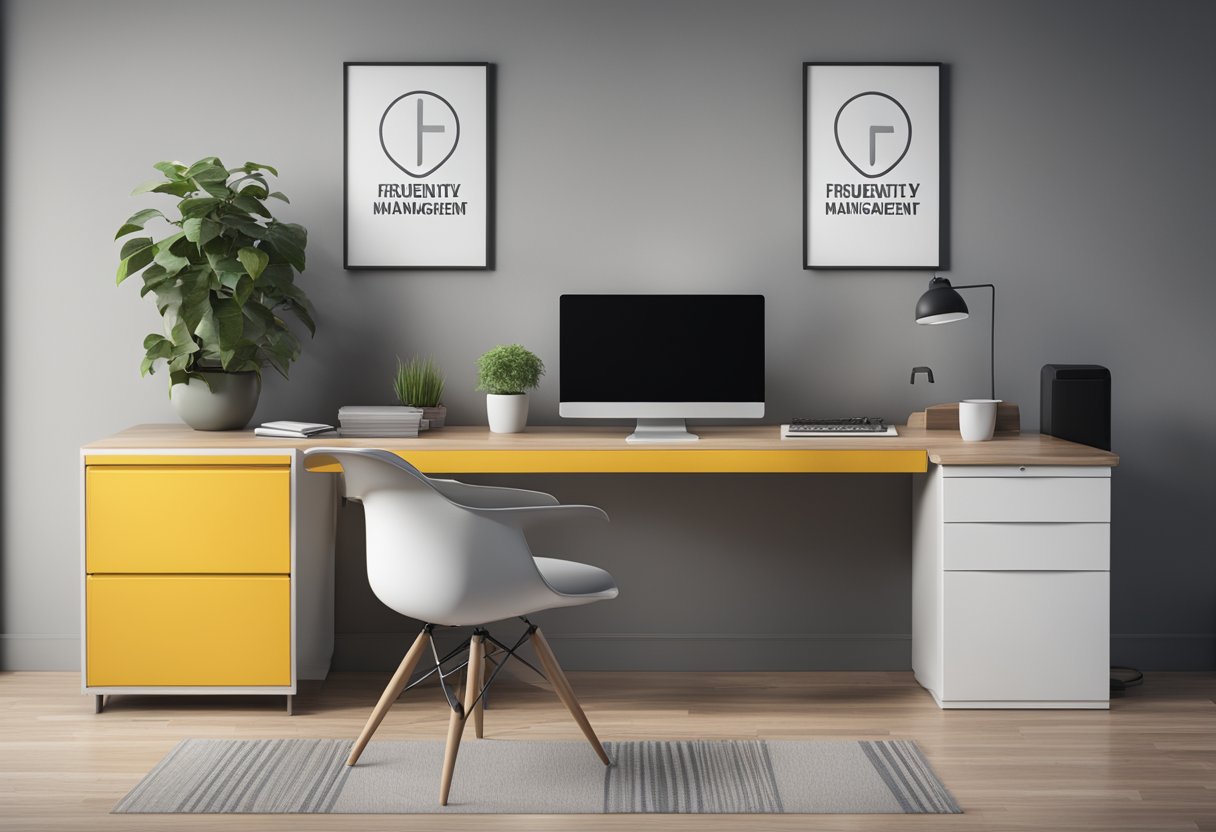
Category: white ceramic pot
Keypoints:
(507, 414)
(227, 404)
(977, 419)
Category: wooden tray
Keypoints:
(945, 417)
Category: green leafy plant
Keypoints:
(509, 370)
(222, 275)
(418, 383)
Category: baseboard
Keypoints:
(39, 652)
(767, 651)
(1164, 651)
(670, 651)
(673, 651)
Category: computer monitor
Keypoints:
(662, 359)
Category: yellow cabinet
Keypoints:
(188, 562)
(201, 518)
(188, 630)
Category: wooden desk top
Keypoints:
(757, 448)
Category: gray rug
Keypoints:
(514, 777)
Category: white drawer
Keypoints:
(1026, 546)
(1028, 500)
(1026, 636)
(1024, 471)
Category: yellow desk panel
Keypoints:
(243, 460)
(194, 630)
(636, 461)
(179, 519)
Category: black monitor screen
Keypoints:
(662, 348)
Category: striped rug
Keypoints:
(514, 777)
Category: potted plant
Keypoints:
(222, 277)
(506, 373)
(419, 383)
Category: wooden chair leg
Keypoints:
(479, 710)
(565, 693)
(400, 679)
(456, 721)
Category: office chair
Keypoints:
(454, 555)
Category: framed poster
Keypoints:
(873, 162)
(419, 166)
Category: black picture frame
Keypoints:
(943, 168)
(491, 100)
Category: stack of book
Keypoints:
(379, 421)
(294, 430)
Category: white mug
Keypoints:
(977, 419)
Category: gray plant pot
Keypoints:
(435, 415)
(228, 404)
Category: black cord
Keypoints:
(991, 332)
(1118, 682)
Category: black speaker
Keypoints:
(1074, 403)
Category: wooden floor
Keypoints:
(1147, 764)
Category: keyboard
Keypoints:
(853, 424)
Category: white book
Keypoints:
(291, 434)
(404, 420)
(306, 428)
(378, 411)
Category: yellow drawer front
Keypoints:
(154, 518)
(196, 630)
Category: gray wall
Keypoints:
(649, 147)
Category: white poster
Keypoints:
(419, 166)
(873, 161)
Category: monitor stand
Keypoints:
(660, 431)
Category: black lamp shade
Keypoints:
(940, 304)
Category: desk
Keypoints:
(1010, 549)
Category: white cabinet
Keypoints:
(1026, 636)
(1020, 547)
(1011, 586)
(1022, 499)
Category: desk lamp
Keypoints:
(942, 304)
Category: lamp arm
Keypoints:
(992, 333)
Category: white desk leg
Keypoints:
(314, 526)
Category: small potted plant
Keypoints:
(223, 279)
(419, 383)
(506, 374)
